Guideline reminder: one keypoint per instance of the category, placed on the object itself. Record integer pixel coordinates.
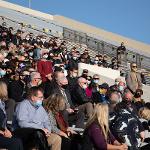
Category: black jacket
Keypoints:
(54, 88)
(79, 96)
(2, 120)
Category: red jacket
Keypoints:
(44, 68)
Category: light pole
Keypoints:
(29, 3)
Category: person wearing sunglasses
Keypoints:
(133, 79)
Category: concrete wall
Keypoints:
(138, 46)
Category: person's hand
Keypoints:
(7, 133)
(69, 130)
(70, 111)
(123, 147)
(1, 132)
(64, 135)
(142, 134)
(46, 131)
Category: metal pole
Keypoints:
(29, 3)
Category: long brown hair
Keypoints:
(54, 103)
(3, 91)
(100, 115)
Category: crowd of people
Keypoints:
(45, 103)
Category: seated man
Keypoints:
(31, 114)
(60, 86)
(80, 98)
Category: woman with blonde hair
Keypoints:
(97, 134)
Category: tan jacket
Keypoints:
(134, 81)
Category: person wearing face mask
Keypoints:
(133, 79)
(115, 86)
(95, 80)
(73, 62)
(44, 66)
(101, 95)
(60, 86)
(96, 61)
(2, 73)
(121, 87)
(31, 114)
(35, 79)
(80, 98)
(90, 87)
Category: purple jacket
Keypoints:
(97, 137)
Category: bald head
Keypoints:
(128, 96)
(82, 82)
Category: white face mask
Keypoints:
(5, 54)
(45, 56)
(75, 58)
(88, 82)
(96, 81)
(31, 54)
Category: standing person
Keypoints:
(97, 134)
(44, 67)
(121, 53)
(6, 139)
(133, 79)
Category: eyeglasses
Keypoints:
(134, 66)
(96, 78)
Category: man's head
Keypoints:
(114, 97)
(85, 72)
(128, 96)
(35, 78)
(133, 67)
(122, 44)
(82, 82)
(121, 86)
(104, 88)
(96, 78)
(117, 80)
(105, 58)
(61, 79)
(35, 94)
(73, 72)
